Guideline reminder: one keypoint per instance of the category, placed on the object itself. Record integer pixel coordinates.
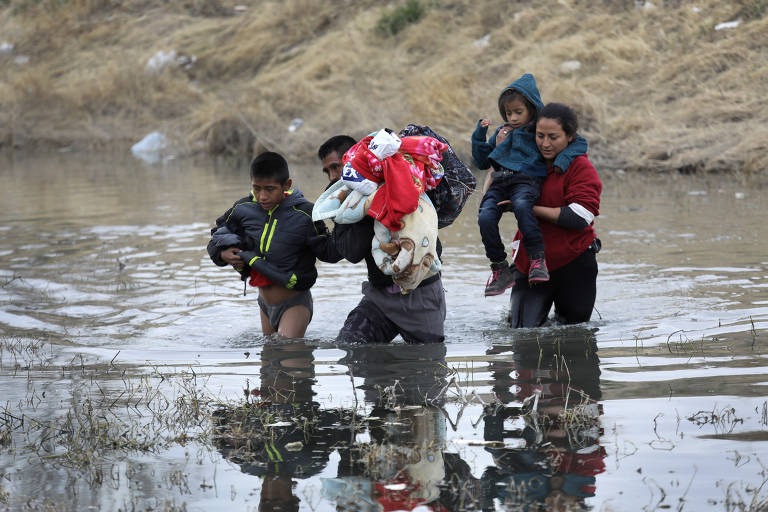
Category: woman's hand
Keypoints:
(506, 205)
(546, 213)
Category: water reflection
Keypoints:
(542, 431)
(391, 446)
(403, 463)
(280, 432)
(546, 426)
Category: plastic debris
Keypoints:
(161, 60)
(186, 61)
(6, 47)
(727, 25)
(152, 149)
(295, 124)
(295, 446)
(570, 66)
(483, 41)
(279, 424)
(21, 60)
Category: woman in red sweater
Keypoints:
(569, 203)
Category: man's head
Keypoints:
(330, 154)
(269, 179)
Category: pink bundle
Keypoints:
(407, 174)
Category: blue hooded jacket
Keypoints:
(518, 152)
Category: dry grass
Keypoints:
(658, 88)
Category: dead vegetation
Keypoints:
(103, 412)
(656, 85)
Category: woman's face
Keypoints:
(551, 138)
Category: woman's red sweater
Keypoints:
(578, 184)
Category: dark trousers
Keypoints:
(380, 316)
(572, 289)
(523, 191)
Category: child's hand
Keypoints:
(485, 123)
(232, 256)
(504, 131)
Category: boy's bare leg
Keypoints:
(266, 326)
(293, 323)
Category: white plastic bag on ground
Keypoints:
(295, 124)
(152, 149)
(160, 60)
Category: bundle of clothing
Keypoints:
(458, 183)
(387, 177)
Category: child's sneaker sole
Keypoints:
(494, 293)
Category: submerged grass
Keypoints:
(98, 412)
(656, 87)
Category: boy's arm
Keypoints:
(577, 147)
(286, 279)
(480, 147)
(214, 252)
(214, 244)
(321, 243)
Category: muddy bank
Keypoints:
(668, 85)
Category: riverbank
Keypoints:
(662, 86)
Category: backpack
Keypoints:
(457, 184)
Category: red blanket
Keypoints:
(414, 169)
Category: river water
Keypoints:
(120, 338)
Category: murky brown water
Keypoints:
(658, 402)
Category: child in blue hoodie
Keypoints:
(518, 171)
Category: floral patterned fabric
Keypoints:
(451, 193)
(413, 170)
